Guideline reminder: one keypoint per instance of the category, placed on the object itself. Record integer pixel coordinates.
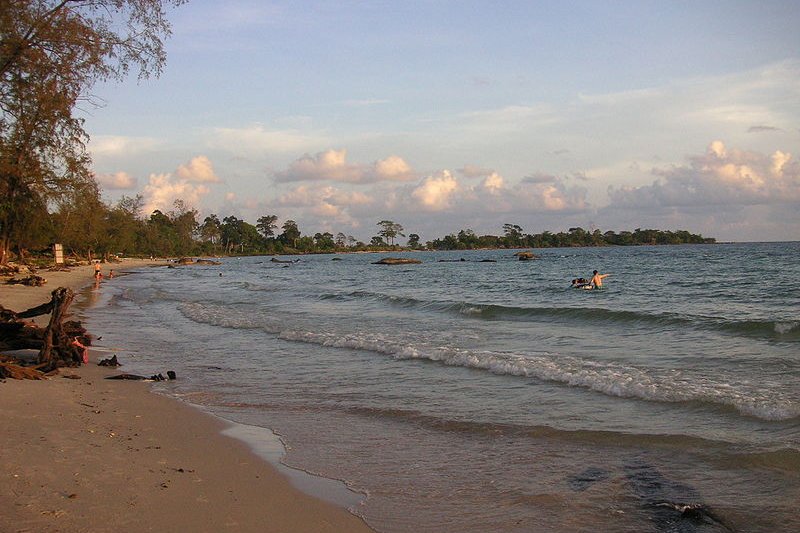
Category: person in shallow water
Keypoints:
(597, 279)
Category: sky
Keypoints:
(444, 115)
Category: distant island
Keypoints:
(467, 240)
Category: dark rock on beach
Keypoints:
(673, 506)
(192, 261)
(111, 361)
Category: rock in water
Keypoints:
(397, 261)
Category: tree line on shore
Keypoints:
(89, 228)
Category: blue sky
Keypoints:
(445, 115)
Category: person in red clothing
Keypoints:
(82, 349)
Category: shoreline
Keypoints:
(90, 454)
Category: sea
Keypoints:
(474, 392)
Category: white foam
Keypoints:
(610, 378)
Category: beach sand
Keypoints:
(96, 455)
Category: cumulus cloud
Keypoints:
(162, 190)
(187, 183)
(199, 170)
(540, 194)
(393, 168)
(116, 181)
(329, 165)
(493, 184)
(435, 192)
(332, 165)
(720, 177)
(114, 145)
(325, 202)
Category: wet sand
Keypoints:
(92, 454)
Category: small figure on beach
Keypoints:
(111, 273)
(597, 279)
(84, 351)
(97, 273)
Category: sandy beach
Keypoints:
(90, 454)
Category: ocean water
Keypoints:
(484, 394)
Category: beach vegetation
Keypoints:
(51, 54)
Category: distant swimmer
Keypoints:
(597, 279)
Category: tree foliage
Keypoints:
(51, 54)
(390, 231)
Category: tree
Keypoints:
(513, 235)
(231, 233)
(184, 223)
(125, 227)
(51, 53)
(390, 230)
(82, 220)
(210, 230)
(290, 233)
(266, 225)
(413, 240)
(324, 241)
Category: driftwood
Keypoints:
(16, 371)
(135, 377)
(32, 281)
(56, 342)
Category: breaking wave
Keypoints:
(609, 378)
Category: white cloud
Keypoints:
(117, 181)
(332, 165)
(493, 183)
(199, 170)
(116, 145)
(435, 192)
(443, 192)
(393, 168)
(720, 177)
(162, 190)
(329, 165)
(186, 184)
(256, 140)
(323, 202)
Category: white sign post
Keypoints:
(58, 252)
